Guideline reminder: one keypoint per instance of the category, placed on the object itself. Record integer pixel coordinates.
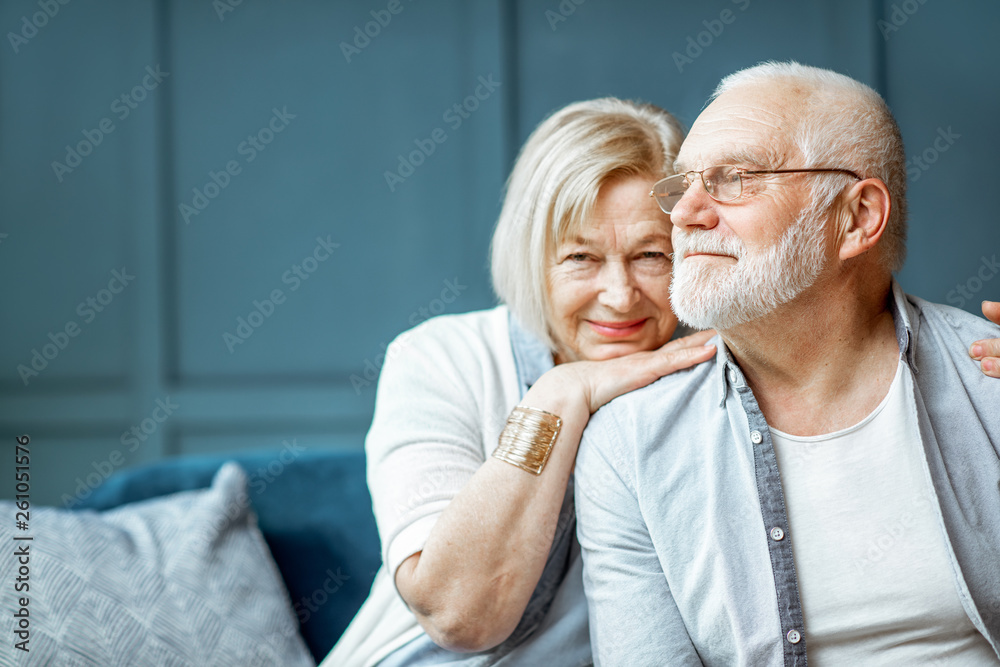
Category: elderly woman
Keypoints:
(479, 416)
(478, 539)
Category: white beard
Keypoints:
(708, 296)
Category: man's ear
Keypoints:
(866, 214)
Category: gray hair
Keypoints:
(554, 184)
(846, 125)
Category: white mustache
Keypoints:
(706, 242)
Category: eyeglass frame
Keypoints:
(741, 172)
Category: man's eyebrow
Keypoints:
(755, 156)
(747, 156)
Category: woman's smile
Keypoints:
(618, 329)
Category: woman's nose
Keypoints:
(618, 291)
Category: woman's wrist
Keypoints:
(560, 393)
(527, 439)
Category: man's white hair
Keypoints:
(554, 184)
(845, 125)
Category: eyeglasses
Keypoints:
(722, 183)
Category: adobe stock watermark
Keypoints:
(917, 165)
(452, 290)
(264, 476)
(372, 29)
(892, 533)
(964, 292)
(88, 309)
(131, 440)
(38, 20)
(566, 9)
(899, 15)
(310, 604)
(714, 28)
(257, 481)
(223, 7)
(121, 106)
(293, 277)
(429, 489)
(249, 148)
(454, 116)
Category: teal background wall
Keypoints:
(309, 114)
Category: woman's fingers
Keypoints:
(647, 367)
(991, 309)
(987, 351)
(603, 381)
(983, 349)
(991, 366)
(612, 378)
(686, 357)
(694, 340)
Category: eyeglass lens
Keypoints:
(722, 183)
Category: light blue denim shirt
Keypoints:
(681, 516)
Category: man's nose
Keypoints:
(696, 208)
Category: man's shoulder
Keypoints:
(944, 368)
(654, 408)
(943, 338)
(943, 318)
(643, 434)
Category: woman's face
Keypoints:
(609, 286)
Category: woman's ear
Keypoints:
(867, 208)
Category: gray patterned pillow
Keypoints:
(180, 580)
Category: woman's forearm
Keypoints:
(472, 582)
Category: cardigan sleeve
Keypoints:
(440, 394)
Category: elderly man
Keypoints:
(829, 486)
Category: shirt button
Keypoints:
(777, 534)
(794, 636)
(756, 437)
(733, 377)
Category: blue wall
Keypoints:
(156, 99)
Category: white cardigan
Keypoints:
(446, 389)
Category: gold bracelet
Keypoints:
(527, 439)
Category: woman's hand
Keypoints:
(594, 383)
(987, 352)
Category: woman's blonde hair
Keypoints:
(554, 184)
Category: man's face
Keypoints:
(737, 261)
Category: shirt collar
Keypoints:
(532, 358)
(904, 316)
(907, 320)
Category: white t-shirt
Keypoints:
(876, 583)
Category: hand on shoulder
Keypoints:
(987, 351)
(591, 384)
